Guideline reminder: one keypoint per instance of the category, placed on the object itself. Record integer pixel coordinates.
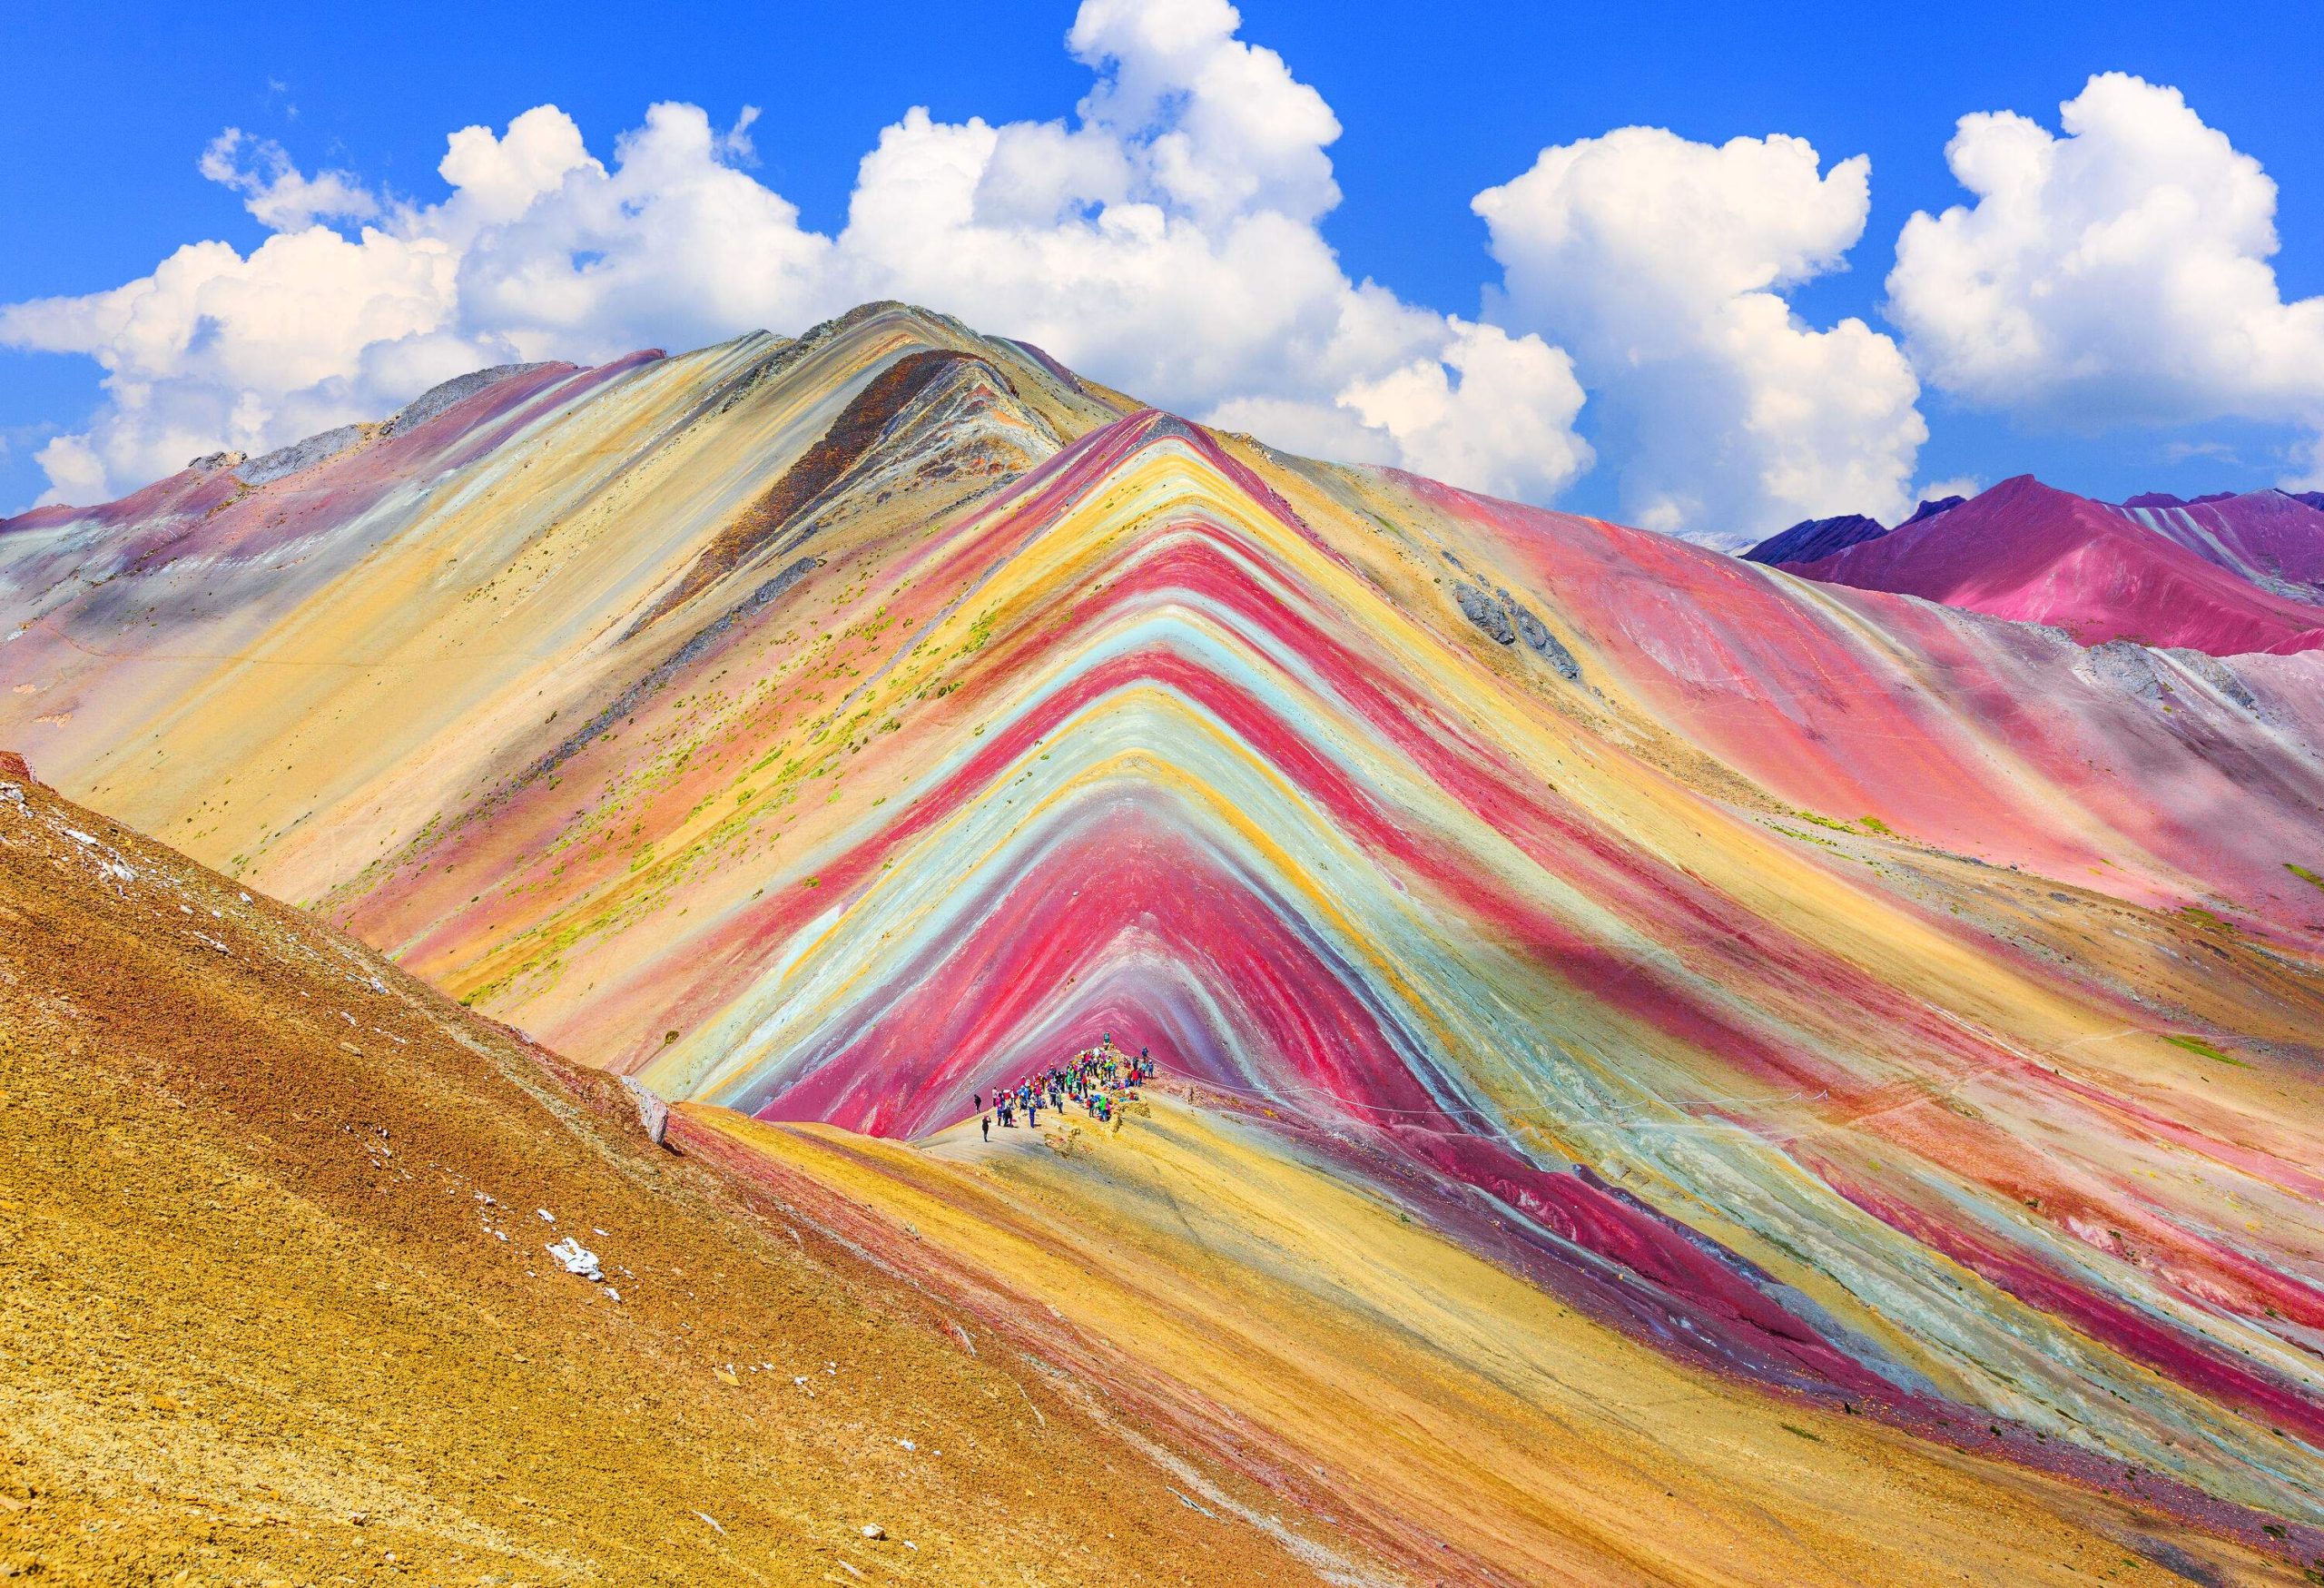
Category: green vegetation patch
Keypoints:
(2197, 1045)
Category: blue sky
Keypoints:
(110, 107)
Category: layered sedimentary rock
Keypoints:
(1812, 538)
(2273, 539)
(1886, 1004)
(312, 1276)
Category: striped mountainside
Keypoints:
(1872, 1008)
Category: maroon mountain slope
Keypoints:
(2024, 550)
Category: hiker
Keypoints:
(986, 1122)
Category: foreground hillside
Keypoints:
(1874, 1005)
(1216, 1261)
(276, 1306)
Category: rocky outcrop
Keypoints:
(436, 398)
(1486, 612)
(318, 447)
(1508, 620)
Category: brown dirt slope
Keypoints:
(852, 435)
(258, 1322)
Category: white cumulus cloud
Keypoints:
(215, 349)
(2116, 273)
(1661, 264)
(1492, 407)
(1163, 238)
(275, 191)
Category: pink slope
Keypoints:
(2267, 535)
(2025, 552)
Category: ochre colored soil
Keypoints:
(256, 1324)
(1430, 1402)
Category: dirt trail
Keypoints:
(275, 1303)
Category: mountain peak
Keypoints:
(1551, 933)
(1815, 538)
(2030, 551)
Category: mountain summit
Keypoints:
(1881, 1028)
(2224, 575)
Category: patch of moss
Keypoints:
(1875, 824)
(2197, 1045)
(2303, 873)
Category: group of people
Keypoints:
(1095, 1078)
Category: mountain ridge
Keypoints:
(1790, 972)
(291, 1258)
(2027, 552)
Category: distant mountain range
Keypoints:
(2223, 573)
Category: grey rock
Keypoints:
(2121, 665)
(299, 455)
(1506, 619)
(2215, 673)
(1486, 612)
(1536, 633)
(436, 398)
(211, 462)
(1553, 651)
(653, 1113)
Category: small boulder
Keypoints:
(577, 1259)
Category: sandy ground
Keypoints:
(275, 1305)
(1425, 1398)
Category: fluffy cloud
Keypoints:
(1506, 422)
(259, 170)
(213, 348)
(1163, 238)
(1245, 136)
(1490, 410)
(1661, 264)
(2115, 275)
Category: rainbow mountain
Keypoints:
(1594, 973)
